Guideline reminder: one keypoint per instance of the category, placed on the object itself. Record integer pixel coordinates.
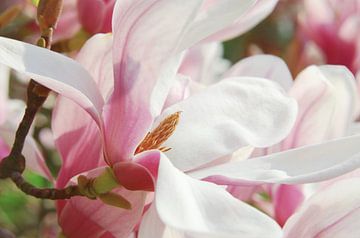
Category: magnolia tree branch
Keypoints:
(13, 165)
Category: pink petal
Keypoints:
(244, 193)
(77, 136)
(286, 199)
(95, 15)
(55, 71)
(332, 212)
(140, 174)
(82, 217)
(146, 38)
(225, 112)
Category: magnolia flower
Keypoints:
(122, 82)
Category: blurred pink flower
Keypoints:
(95, 15)
(11, 112)
(5, 4)
(333, 25)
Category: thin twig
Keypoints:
(44, 193)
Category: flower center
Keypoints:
(155, 138)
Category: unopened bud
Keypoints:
(48, 13)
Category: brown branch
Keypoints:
(44, 193)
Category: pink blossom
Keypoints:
(115, 94)
(333, 26)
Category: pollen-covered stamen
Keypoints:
(155, 138)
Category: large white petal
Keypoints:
(263, 66)
(55, 71)
(332, 212)
(234, 113)
(302, 165)
(199, 209)
(152, 227)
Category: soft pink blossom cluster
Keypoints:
(246, 134)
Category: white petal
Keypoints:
(152, 227)
(205, 63)
(326, 96)
(302, 165)
(263, 66)
(201, 209)
(245, 22)
(226, 116)
(215, 18)
(54, 71)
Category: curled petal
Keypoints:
(301, 165)
(141, 173)
(54, 71)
